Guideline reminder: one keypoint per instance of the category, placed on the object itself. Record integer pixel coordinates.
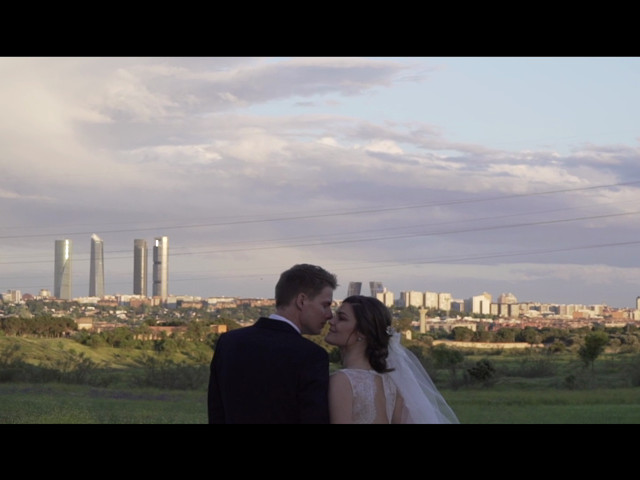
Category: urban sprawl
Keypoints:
(437, 310)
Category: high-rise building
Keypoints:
(140, 260)
(444, 301)
(161, 267)
(376, 287)
(62, 270)
(354, 288)
(12, 296)
(386, 297)
(96, 267)
(507, 298)
(412, 298)
(480, 304)
(431, 300)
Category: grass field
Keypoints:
(78, 404)
(546, 406)
(528, 389)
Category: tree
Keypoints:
(462, 334)
(404, 317)
(506, 335)
(486, 336)
(529, 335)
(553, 334)
(196, 331)
(594, 344)
(119, 337)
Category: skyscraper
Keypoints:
(62, 270)
(140, 267)
(96, 267)
(161, 267)
(376, 287)
(354, 288)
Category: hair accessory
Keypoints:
(390, 330)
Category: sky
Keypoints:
(459, 175)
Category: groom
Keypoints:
(269, 372)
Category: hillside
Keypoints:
(48, 352)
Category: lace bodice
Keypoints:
(374, 395)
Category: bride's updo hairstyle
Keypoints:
(373, 321)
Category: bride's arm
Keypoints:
(340, 399)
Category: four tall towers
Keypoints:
(62, 279)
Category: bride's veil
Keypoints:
(423, 403)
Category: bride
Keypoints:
(382, 381)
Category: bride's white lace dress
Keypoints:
(374, 396)
(405, 395)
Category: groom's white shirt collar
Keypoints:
(275, 316)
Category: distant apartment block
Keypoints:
(457, 305)
(12, 296)
(444, 301)
(480, 304)
(501, 309)
(387, 298)
(412, 298)
(507, 298)
(431, 300)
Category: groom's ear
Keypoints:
(300, 300)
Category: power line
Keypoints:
(325, 215)
(375, 239)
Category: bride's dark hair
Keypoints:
(373, 321)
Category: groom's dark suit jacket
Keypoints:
(268, 373)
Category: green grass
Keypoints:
(528, 389)
(43, 351)
(513, 405)
(79, 404)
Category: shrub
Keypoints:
(482, 372)
(167, 374)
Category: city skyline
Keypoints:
(453, 174)
(63, 279)
(63, 260)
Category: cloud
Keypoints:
(250, 164)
